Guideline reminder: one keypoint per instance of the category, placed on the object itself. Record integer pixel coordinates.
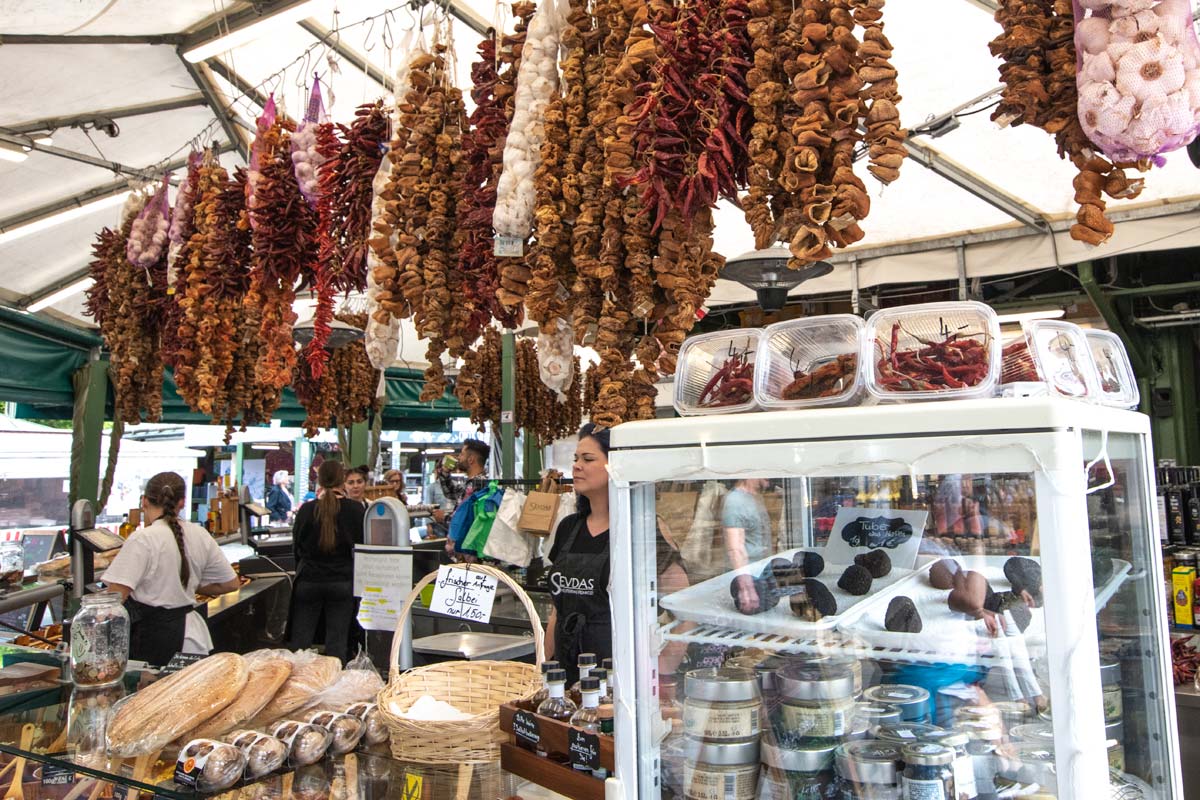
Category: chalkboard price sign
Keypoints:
(181, 660)
(526, 728)
(585, 750)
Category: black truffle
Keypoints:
(877, 562)
(1025, 575)
(784, 573)
(768, 595)
(814, 602)
(809, 563)
(855, 580)
(902, 616)
(1013, 602)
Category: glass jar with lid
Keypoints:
(12, 565)
(1110, 679)
(915, 703)
(815, 702)
(798, 769)
(963, 765)
(99, 640)
(870, 770)
(722, 705)
(927, 772)
(720, 770)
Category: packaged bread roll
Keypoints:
(266, 678)
(264, 754)
(145, 722)
(306, 743)
(376, 732)
(209, 765)
(346, 730)
(311, 674)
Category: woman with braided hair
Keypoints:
(159, 571)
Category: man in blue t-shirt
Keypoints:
(747, 529)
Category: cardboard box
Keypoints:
(1183, 580)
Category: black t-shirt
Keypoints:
(315, 565)
(585, 543)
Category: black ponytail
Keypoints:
(164, 491)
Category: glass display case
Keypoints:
(939, 600)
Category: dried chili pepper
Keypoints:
(956, 362)
(732, 384)
(827, 380)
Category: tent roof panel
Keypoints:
(101, 17)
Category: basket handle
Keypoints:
(535, 621)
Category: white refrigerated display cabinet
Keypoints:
(1068, 483)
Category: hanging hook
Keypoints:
(387, 37)
(367, 38)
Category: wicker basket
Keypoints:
(474, 687)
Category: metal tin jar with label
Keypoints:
(802, 772)
(722, 705)
(915, 703)
(869, 770)
(927, 772)
(818, 703)
(721, 771)
(1110, 678)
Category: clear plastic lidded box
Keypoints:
(805, 363)
(1061, 355)
(715, 372)
(1116, 385)
(932, 351)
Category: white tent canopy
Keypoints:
(1002, 195)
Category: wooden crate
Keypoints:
(554, 772)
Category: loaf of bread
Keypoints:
(311, 674)
(146, 722)
(267, 677)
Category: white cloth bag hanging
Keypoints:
(507, 543)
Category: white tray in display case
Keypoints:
(710, 603)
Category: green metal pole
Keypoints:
(508, 402)
(360, 443)
(95, 391)
(533, 456)
(1112, 317)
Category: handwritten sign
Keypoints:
(181, 660)
(584, 750)
(860, 530)
(526, 729)
(464, 594)
(382, 578)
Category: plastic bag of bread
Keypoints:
(267, 677)
(264, 754)
(376, 729)
(306, 743)
(209, 765)
(146, 722)
(311, 675)
(352, 686)
(346, 730)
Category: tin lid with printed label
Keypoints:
(927, 754)
(812, 682)
(723, 754)
(869, 762)
(722, 685)
(812, 755)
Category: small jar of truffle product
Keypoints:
(878, 714)
(963, 765)
(1110, 678)
(927, 772)
(869, 770)
(764, 669)
(802, 772)
(907, 732)
(1114, 732)
(846, 664)
(722, 705)
(720, 771)
(914, 702)
(815, 702)
(985, 738)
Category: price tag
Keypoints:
(526, 728)
(464, 594)
(507, 417)
(181, 660)
(584, 750)
(55, 775)
(508, 247)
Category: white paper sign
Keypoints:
(461, 593)
(860, 530)
(508, 247)
(382, 578)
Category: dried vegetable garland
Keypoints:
(1037, 51)
(345, 392)
(178, 255)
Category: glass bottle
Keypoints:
(556, 705)
(587, 718)
(606, 695)
(587, 662)
(99, 640)
(544, 692)
(126, 528)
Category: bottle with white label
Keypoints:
(544, 692)
(605, 690)
(587, 718)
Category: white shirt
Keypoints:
(149, 564)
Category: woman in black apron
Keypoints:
(581, 620)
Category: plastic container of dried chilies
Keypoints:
(805, 363)
(715, 372)
(934, 351)
(1051, 352)
(1116, 384)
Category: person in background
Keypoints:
(355, 487)
(159, 571)
(443, 493)
(395, 479)
(323, 540)
(279, 496)
(747, 530)
(472, 459)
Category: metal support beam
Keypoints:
(106, 190)
(508, 402)
(360, 444)
(93, 379)
(960, 252)
(217, 102)
(1160, 289)
(41, 38)
(937, 163)
(990, 6)
(1112, 317)
(334, 42)
(22, 140)
(533, 455)
(57, 123)
(227, 23)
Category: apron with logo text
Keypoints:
(579, 588)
